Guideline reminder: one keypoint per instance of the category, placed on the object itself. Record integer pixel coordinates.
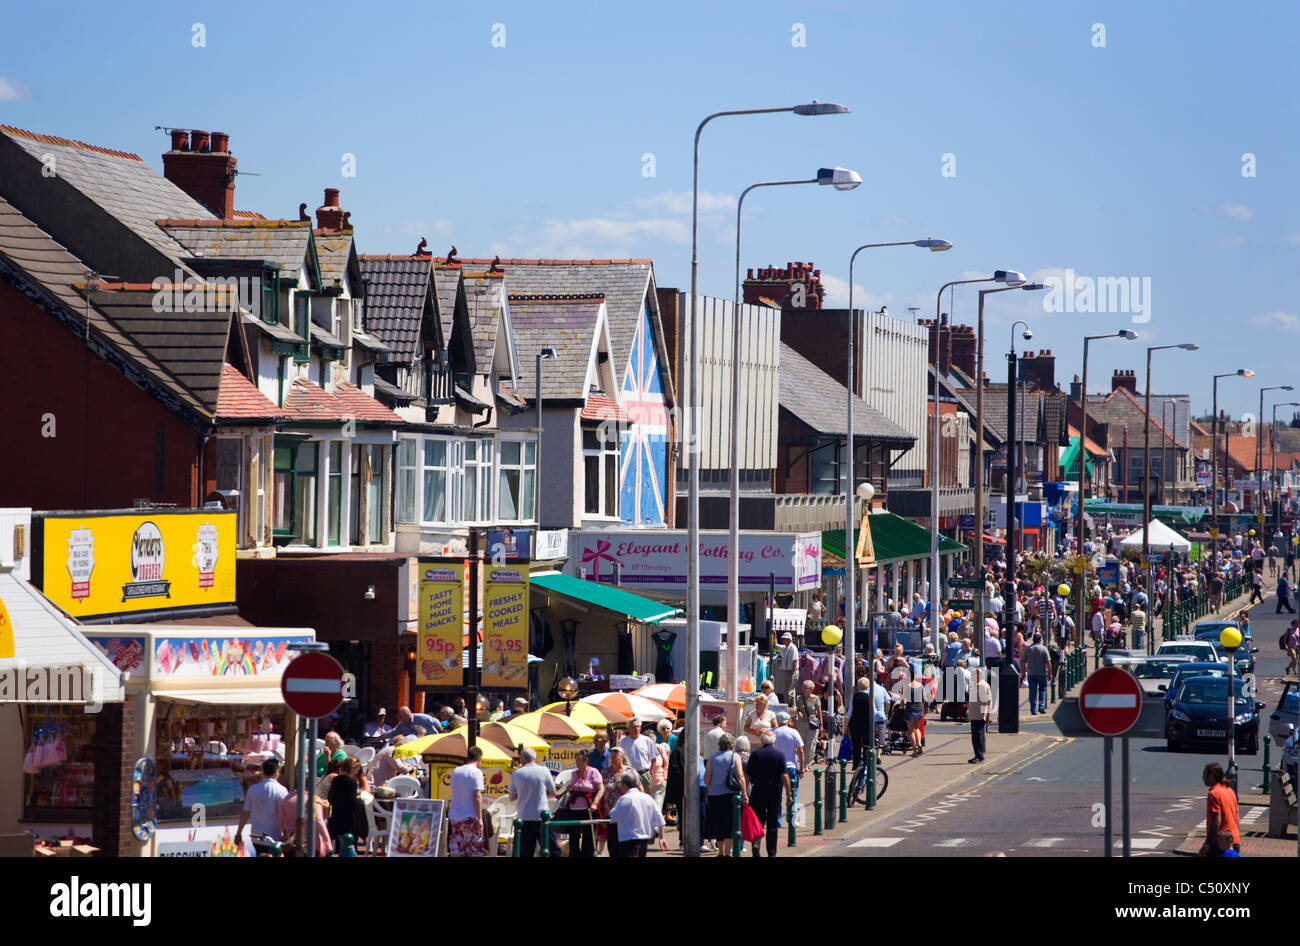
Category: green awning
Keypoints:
(1070, 461)
(1177, 516)
(895, 540)
(616, 600)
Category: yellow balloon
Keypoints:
(831, 635)
(1063, 590)
(1252, 531)
(1230, 638)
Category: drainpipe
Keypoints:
(485, 421)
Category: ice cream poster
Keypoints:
(416, 828)
(505, 629)
(442, 595)
(207, 657)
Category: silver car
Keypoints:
(1283, 713)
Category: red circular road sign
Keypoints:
(1110, 701)
(312, 685)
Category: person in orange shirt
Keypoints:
(1220, 809)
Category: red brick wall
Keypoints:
(43, 370)
(387, 657)
(111, 823)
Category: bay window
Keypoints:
(517, 470)
(600, 466)
(478, 481)
(295, 492)
(407, 469)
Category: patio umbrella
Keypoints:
(413, 747)
(671, 695)
(631, 706)
(454, 745)
(552, 725)
(512, 737)
(589, 714)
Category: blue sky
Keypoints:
(1122, 160)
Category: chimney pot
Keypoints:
(180, 139)
(331, 197)
(220, 142)
(201, 141)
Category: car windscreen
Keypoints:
(1210, 690)
(1291, 702)
(1192, 650)
(1157, 669)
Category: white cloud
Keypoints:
(1237, 211)
(837, 295)
(620, 232)
(1229, 242)
(11, 91)
(680, 203)
(1278, 321)
(444, 226)
(1294, 239)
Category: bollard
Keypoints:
(789, 816)
(1263, 785)
(514, 841)
(828, 813)
(844, 793)
(736, 842)
(817, 802)
(546, 834)
(871, 779)
(1052, 684)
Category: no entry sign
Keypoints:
(312, 685)
(1110, 701)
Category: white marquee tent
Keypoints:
(1162, 539)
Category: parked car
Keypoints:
(1155, 673)
(1185, 673)
(1209, 632)
(1198, 716)
(1204, 628)
(1287, 705)
(1197, 650)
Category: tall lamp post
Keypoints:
(1214, 461)
(850, 478)
(690, 827)
(981, 595)
(1259, 451)
(1013, 280)
(1013, 454)
(1080, 600)
(841, 179)
(1146, 487)
(547, 354)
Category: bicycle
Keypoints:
(858, 783)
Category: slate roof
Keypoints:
(957, 386)
(995, 412)
(191, 346)
(333, 251)
(240, 400)
(446, 283)
(483, 297)
(119, 182)
(396, 288)
(569, 325)
(624, 284)
(1120, 407)
(37, 258)
(307, 401)
(818, 400)
(278, 241)
(392, 392)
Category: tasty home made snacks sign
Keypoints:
(442, 598)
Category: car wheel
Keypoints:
(1170, 745)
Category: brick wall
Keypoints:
(111, 822)
(104, 452)
(387, 658)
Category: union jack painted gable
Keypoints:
(643, 447)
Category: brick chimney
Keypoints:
(1040, 369)
(1124, 379)
(963, 349)
(1076, 389)
(201, 164)
(785, 286)
(329, 216)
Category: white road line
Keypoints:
(876, 842)
(1253, 815)
(953, 842)
(1142, 844)
(1044, 842)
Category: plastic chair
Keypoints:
(405, 786)
(351, 751)
(365, 756)
(379, 820)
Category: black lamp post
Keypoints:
(568, 691)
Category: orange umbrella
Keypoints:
(631, 706)
(671, 695)
(552, 726)
(590, 714)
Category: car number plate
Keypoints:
(1211, 733)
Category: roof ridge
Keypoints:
(552, 262)
(234, 222)
(68, 143)
(556, 297)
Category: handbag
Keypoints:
(751, 829)
(733, 780)
(814, 716)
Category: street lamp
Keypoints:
(1079, 592)
(1146, 482)
(1013, 280)
(691, 799)
(1014, 455)
(568, 691)
(1259, 450)
(981, 592)
(1214, 461)
(841, 179)
(548, 354)
(850, 590)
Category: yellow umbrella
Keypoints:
(589, 714)
(553, 725)
(453, 745)
(512, 737)
(413, 747)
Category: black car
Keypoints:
(1198, 715)
(1245, 654)
(1186, 672)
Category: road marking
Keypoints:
(1043, 842)
(876, 842)
(1255, 813)
(1141, 844)
(1035, 778)
(952, 842)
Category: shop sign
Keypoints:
(563, 754)
(656, 560)
(202, 842)
(201, 658)
(117, 563)
(552, 544)
(505, 628)
(496, 780)
(6, 632)
(126, 653)
(730, 709)
(440, 632)
(508, 545)
(416, 827)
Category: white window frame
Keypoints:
(483, 452)
(605, 454)
(522, 466)
(409, 490)
(453, 470)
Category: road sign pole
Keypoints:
(1123, 774)
(1106, 746)
(311, 789)
(302, 783)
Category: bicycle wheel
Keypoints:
(858, 786)
(882, 782)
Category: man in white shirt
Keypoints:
(262, 806)
(638, 819)
(709, 744)
(639, 750)
(791, 745)
(531, 785)
(787, 664)
(386, 765)
(465, 816)
(377, 727)
(992, 649)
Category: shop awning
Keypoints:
(895, 540)
(233, 696)
(50, 660)
(615, 600)
(1070, 461)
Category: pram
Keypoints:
(896, 733)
